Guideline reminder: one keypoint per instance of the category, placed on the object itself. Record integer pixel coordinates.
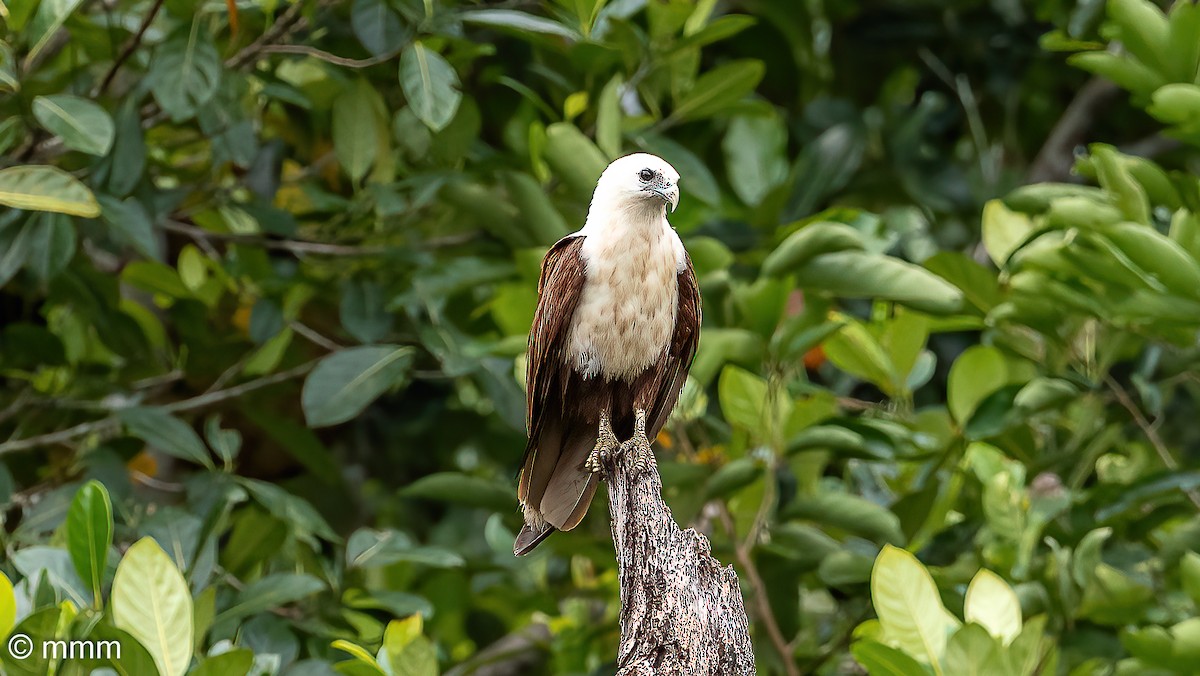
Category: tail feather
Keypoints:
(529, 538)
(571, 486)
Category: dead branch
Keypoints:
(681, 611)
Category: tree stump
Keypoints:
(681, 610)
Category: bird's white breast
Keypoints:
(626, 312)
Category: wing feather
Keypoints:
(559, 289)
(681, 351)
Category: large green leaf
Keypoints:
(346, 382)
(52, 245)
(151, 601)
(44, 188)
(430, 84)
(185, 73)
(165, 432)
(354, 129)
(377, 26)
(83, 125)
(909, 607)
(272, 591)
(883, 660)
(754, 147)
(90, 534)
(992, 604)
(521, 22)
(979, 371)
(574, 158)
(858, 274)
(718, 89)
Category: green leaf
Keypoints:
(849, 513)
(132, 224)
(858, 274)
(346, 382)
(43, 188)
(574, 158)
(977, 283)
(185, 73)
(50, 16)
(165, 432)
(270, 592)
(1142, 29)
(363, 312)
(731, 477)
(743, 398)
(129, 151)
(882, 660)
(972, 652)
(992, 604)
(978, 371)
(608, 117)
(354, 129)
(83, 125)
(521, 22)
(1159, 254)
(151, 601)
(226, 442)
(909, 607)
(430, 84)
(51, 245)
(377, 26)
(462, 489)
(1115, 177)
(232, 663)
(718, 89)
(290, 509)
(1189, 570)
(1003, 231)
(856, 351)
(754, 147)
(90, 534)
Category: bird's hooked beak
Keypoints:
(668, 192)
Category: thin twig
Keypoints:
(287, 23)
(199, 401)
(306, 50)
(1150, 431)
(295, 246)
(313, 337)
(762, 601)
(130, 47)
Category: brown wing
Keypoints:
(681, 352)
(558, 293)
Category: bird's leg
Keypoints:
(606, 447)
(639, 445)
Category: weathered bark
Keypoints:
(681, 611)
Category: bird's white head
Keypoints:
(640, 181)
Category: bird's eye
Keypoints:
(645, 174)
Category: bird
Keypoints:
(614, 334)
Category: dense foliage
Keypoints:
(266, 272)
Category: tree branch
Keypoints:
(109, 423)
(681, 612)
(296, 246)
(130, 47)
(306, 50)
(1150, 431)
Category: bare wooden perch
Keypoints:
(681, 610)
